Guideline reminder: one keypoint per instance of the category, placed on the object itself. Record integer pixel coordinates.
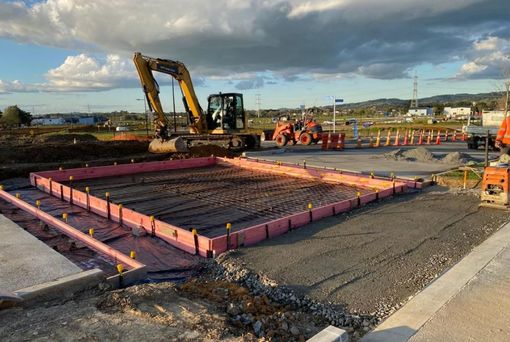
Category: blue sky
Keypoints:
(65, 55)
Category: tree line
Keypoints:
(13, 116)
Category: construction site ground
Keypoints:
(370, 261)
(378, 160)
(373, 259)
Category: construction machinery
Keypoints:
(306, 131)
(223, 123)
(496, 187)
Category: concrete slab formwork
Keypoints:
(294, 196)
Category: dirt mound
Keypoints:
(211, 150)
(59, 152)
(64, 138)
(256, 314)
(456, 158)
(420, 154)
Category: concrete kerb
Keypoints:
(330, 334)
(404, 323)
(65, 286)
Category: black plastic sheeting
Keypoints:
(163, 261)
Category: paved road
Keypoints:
(369, 160)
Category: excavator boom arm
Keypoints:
(145, 65)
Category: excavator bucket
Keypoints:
(173, 145)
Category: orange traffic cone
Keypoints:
(446, 136)
(378, 139)
(454, 136)
(412, 138)
(429, 137)
(420, 139)
(397, 139)
(438, 138)
(406, 140)
(388, 137)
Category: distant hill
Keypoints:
(447, 99)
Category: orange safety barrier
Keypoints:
(325, 138)
(333, 141)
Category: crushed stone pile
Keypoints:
(421, 154)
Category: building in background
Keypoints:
(48, 121)
(457, 112)
(425, 111)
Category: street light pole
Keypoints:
(335, 100)
(334, 114)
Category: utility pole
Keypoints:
(257, 102)
(414, 101)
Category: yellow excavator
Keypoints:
(223, 123)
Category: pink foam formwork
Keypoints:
(342, 207)
(368, 198)
(309, 173)
(254, 234)
(218, 244)
(72, 232)
(322, 212)
(278, 227)
(299, 220)
(124, 169)
(173, 235)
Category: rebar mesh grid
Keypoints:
(209, 197)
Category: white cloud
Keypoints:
(489, 43)
(81, 73)
(490, 59)
(226, 38)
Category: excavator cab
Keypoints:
(225, 113)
